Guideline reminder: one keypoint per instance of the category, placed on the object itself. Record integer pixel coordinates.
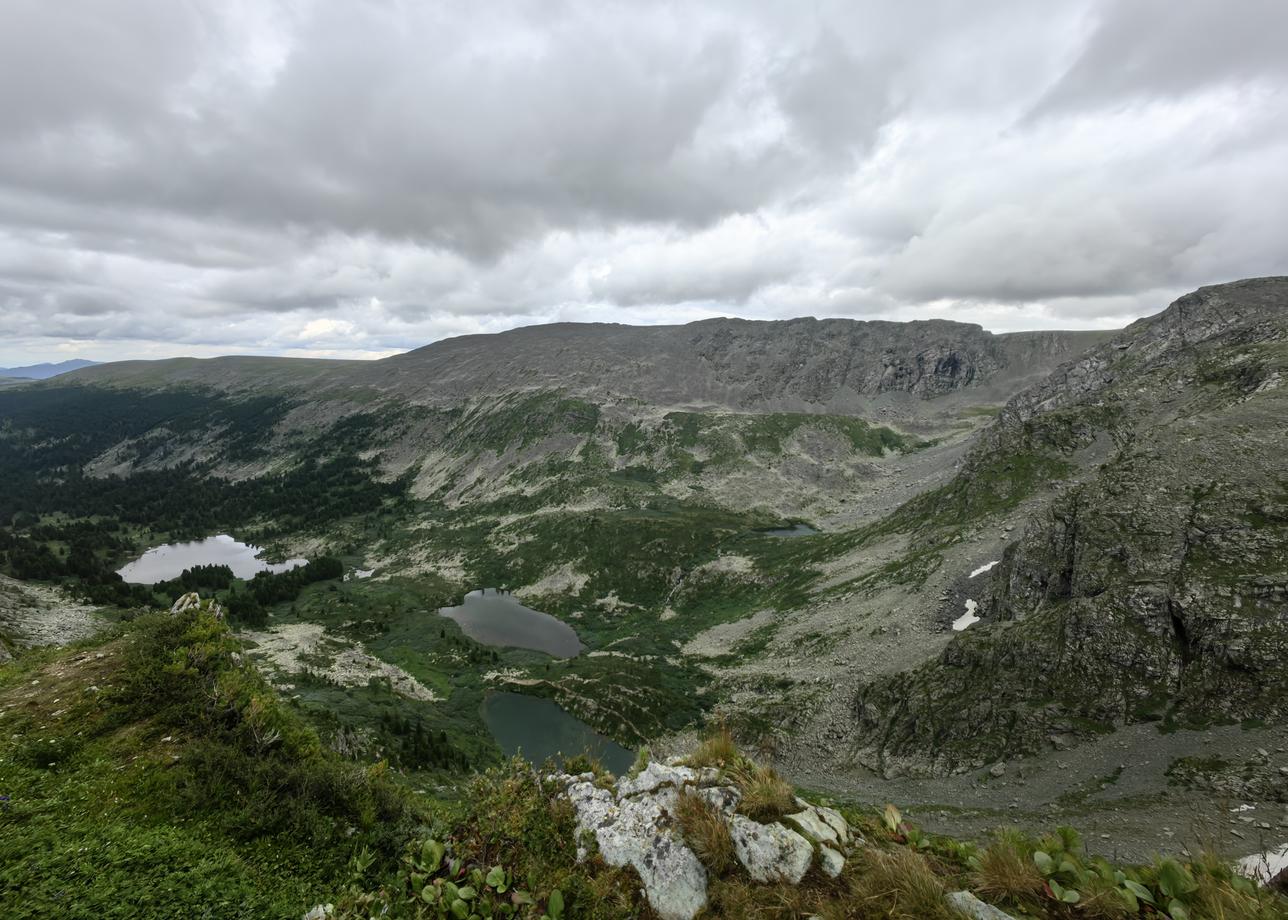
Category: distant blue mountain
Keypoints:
(44, 371)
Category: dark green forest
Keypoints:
(58, 524)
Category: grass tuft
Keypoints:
(1006, 870)
(899, 884)
(706, 832)
(766, 796)
(716, 750)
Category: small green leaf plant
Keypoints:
(1062, 861)
(441, 887)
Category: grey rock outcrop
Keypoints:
(633, 831)
(632, 825)
(811, 824)
(831, 861)
(966, 904)
(770, 852)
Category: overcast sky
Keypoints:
(358, 177)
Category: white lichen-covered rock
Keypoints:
(810, 823)
(632, 824)
(770, 852)
(830, 817)
(724, 799)
(835, 821)
(831, 861)
(966, 904)
(634, 831)
(567, 779)
(653, 777)
(186, 602)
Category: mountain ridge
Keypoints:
(46, 370)
(804, 364)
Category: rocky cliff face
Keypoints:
(832, 365)
(1153, 584)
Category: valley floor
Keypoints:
(1116, 790)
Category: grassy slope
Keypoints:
(154, 776)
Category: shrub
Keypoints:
(255, 766)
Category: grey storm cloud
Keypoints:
(326, 177)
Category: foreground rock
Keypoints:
(632, 824)
(966, 904)
(770, 852)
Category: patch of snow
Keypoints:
(984, 568)
(1244, 807)
(360, 573)
(967, 618)
(1263, 867)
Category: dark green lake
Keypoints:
(538, 728)
(494, 618)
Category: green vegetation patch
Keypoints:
(154, 776)
(520, 419)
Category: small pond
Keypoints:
(539, 728)
(165, 562)
(496, 618)
(796, 530)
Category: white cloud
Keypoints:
(287, 176)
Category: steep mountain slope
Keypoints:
(1153, 584)
(795, 365)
